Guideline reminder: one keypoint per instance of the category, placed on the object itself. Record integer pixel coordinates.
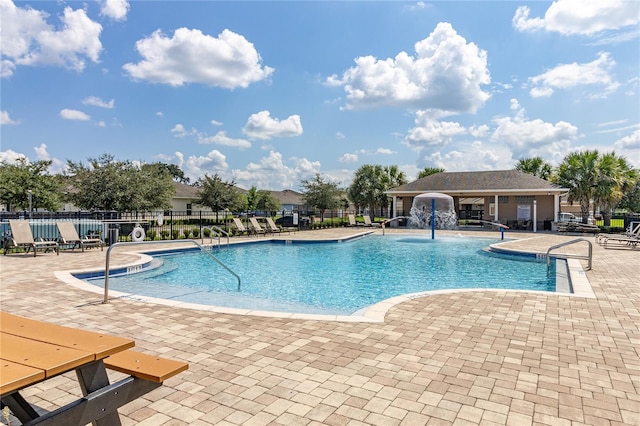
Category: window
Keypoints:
(503, 199)
(189, 208)
(525, 199)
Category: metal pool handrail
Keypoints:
(589, 257)
(106, 267)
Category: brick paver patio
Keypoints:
(474, 357)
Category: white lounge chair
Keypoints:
(272, 227)
(240, 226)
(69, 236)
(21, 236)
(255, 226)
(367, 221)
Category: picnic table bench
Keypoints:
(33, 351)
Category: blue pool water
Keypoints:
(333, 278)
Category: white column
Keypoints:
(535, 216)
(495, 208)
(556, 207)
(394, 207)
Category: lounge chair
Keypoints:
(240, 226)
(367, 221)
(272, 227)
(631, 238)
(69, 236)
(352, 220)
(21, 236)
(255, 226)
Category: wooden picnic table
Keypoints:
(33, 351)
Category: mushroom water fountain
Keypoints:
(433, 210)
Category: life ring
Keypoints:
(137, 234)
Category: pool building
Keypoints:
(513, 198)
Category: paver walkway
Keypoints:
(478, 357)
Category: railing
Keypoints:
(589, 257)
(218, 231)
(106, 267)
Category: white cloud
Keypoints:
(216, 123)
(27, 39)
(195, 167)
(566, 76)
(5, 119)
(72, 114)
(385, 151)
(348, 158)
(97, 102)
(57, 166)
(190, 56)
(273, 173)
(473, 156)
(179, 131)
(221, 138)
(429, 131)
(445, 73)
(631, 141)
(478, 131)
(10, 156)
(115, 9)
(527, 138)
(340, 135)
(581, 17)
(262, 126)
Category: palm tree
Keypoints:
(615, 177)
(579, 173)
(535, 166)
(428, 171)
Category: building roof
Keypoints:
(288, 197)
(478, 182)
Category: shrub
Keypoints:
(165, 234)
(195, 232)
(175, 234)
(206, 232)
(151, 233)
(187, 233)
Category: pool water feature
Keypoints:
(333, 278)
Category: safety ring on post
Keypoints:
(137, 234)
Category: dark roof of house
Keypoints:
(287, 196)
(508, 180)
(185, 191)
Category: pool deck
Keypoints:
(463, 357)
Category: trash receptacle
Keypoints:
(113, 233)
(547, 225)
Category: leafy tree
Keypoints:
(177, 174)
(371, 182)
(252, 198)
(631, 198)
(535, 166)
(266, 202)
(320, 194)
(428, 171)
(217, 194)
(16, 180)
(107, 184)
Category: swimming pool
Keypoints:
(332, 278)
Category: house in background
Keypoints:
(509, 197)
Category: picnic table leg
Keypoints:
(19, 407)
(91, 378)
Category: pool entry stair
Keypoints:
(203, 249)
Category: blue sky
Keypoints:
(269, 93)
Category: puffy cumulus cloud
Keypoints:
(528, 138)
(582, 17)
(6, 119)
(97, 102)
(274, 173)
(348, 158)
(221, 138)
(11, 157)
(629, 142)
(262, 126)
(385, 151)
(227, 61)
(73, 114)
(475, 155)
(566, 76)
(445, 73)
(180, 131)
(57, 166)
(429, 131)
(196, 166)
(27, 38)
(115, 9)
